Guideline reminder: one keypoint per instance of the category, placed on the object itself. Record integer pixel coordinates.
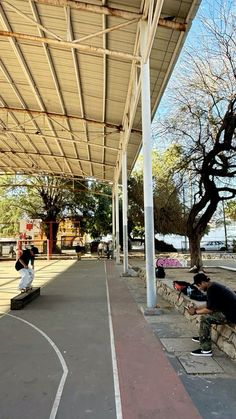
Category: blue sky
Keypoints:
(207, 8)
(195, 40)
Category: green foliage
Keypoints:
(100, 221)
(230, 210)
(51, 199)
(168, 210)
(135, 198)
(11, 207)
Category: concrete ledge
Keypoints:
(19, 301)
(130, 273)
(151, 311)
(224, 336)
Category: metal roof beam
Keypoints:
(175, 55)
(52, 71)
(66, 44)
(134, 88)
(133, 17)
(38, 24)
(65, 158)
(75, 141)
(104, 90)
(66, 186)
(24, 66)
(86, 7)
(4, 169)
(34, 170)
(175, 26)
(109, 11)
(13, 159)
(104, 31)
(41, 28)
(70, 37)
(22, 102)
(10, 136)
(58, 115)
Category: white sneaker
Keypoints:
(194, 269)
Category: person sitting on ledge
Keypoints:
(220, 308)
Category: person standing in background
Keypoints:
(100, 250)
(110, 250)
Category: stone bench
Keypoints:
(224, 336)
(19, 301)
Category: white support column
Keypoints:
(113, 216)
(147, 173)
(117, 224)
(124, 212)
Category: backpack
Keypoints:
(160, 272)
(190, 290)
(181, 286)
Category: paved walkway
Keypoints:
(210, 382)
(84, 350)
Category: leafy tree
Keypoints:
(43, 197)
(135, 199)
(169, 213)
(50, 203)
(100, 221)
(11, 208)
(230, 210)
(204, 121)
(51, 199)
(168, 210)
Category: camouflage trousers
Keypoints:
(205, 328)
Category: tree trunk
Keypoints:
(195, 251)
(51, 228)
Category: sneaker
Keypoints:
(200, 352)
(194, 269)
(196, 339)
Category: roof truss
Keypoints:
(49, 131)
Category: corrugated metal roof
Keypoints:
(66, 106)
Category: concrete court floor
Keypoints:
(83, 350)
(50, 365)
(73, 313)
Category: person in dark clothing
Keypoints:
(12, 252)
(220, 308)
(110, 250)
(26, 272)
(78, 251)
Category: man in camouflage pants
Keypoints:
(220, 308)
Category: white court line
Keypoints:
(230, 268)
(113, 357)
(61, 359)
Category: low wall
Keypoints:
(224, 336)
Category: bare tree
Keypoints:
(204, 121)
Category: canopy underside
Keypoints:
(70, 81)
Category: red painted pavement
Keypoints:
(149, 385)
